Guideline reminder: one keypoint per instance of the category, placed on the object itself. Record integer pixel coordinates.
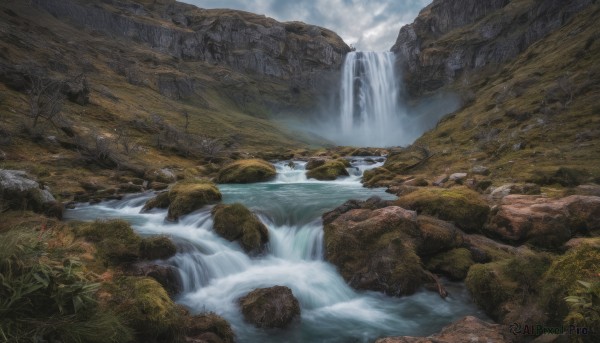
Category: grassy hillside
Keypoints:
(141, 111)
(536, 118)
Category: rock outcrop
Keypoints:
(449, 37)
(236, 223)
(246, 42)
(18, 191)
(466, 330)
(273, 307)
(247, 171)
(544, 222)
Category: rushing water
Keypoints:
(369, 92)
(215, 272)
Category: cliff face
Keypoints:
(451, 37)
(246, 42)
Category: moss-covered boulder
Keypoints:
(377, 177)
(157, 248)
(148, 309)
(314, 163)
(454, 264)
(330, 170)
(375, 249)
(18, 191)
(160, 200)
(166, 275)
(460, 205)
(115, 240)
(489, 287)
(437, 236)
(191, 195)
(237, 223)
(208, 327)
(273, 307)
(247, 171)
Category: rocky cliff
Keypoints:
(450, 38)
(246, 42)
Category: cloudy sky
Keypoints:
(369, 25)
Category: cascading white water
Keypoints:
(369, 111)
(215, 272)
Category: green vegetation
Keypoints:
(454, 263)
(115, 240)
(246, 171)
(46, 298)
(460, 205)
(158, 247)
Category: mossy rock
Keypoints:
(273, 307)
(247, 171)
(374, 177)
(460, 205)
(330, 170)
(437, 236)
(454, 263)
(149, 309)
(561, 279)
(157, 248)
(375, 249)
(209, 327)
(116, 241)
(236, 223)
(489, 287)
(190, 195)
(161, 200)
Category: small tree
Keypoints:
(45, 97)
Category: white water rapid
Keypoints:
(215, 272)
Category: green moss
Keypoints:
(437, 236)
(148, 309)
(454, 263)
(460, 205)
(580, 263)
(161, 200)
(247, 171)
(210, 323)
(160, 247)
(188, 196)
(236, 223)
(330, 170)
(489, 287)
(373, 177)
(115, 240)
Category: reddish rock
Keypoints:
(466, 330)
(375, 249)
(544, 222)
(273, 307)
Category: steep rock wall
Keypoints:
(451, 37)
(246, 42)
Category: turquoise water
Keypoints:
(215, 272)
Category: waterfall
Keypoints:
(369, 109)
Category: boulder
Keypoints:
(18, 191)
(163, 175)
(236, 223)
(210, 328)
(191, 195)
(454, 263)
(460, 205)
(466, 330)
(440, 180)
(480, 170)
(457, 177)
(314, 163)
(273, 307)
(167, 276)
(185, 197)
(437, 236)
(374, 249)
(544, 222)
(157, 248)
(330, 170)
(372, 203)
(511, 188)
(247, 171)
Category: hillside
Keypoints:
(148, 84)
(533, 118)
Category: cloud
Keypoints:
(369, 25)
